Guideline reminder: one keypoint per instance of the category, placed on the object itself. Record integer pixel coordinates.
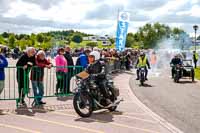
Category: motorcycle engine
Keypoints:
(103, 102)
(92, 85)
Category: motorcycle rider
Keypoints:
(175, 61)
(142, 62)
(95, 67)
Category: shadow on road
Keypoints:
(1, 112)
(59, 107)
(64, 98)
(101, 117)
(30, 111)
(146, 85)
(187, 82)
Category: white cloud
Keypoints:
(95, 16)
(167, 9)
(195, 11)
(67, 11)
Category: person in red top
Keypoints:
(37, 76)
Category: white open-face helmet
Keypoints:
(96, 55)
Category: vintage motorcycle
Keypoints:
(88, 96)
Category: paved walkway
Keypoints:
(59, 116)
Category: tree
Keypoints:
(177, 31)
(33, 39)
(129, 40)
(77, 38)
(91, 44)
(22, 44)
(150, 35)
(22, 36)
(5, 35)
(2, 41)
(112, 40)
(40, 38)
(198, 38)
(11, 41)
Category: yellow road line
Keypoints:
(61, 124)
(18, 128)
(113, 123)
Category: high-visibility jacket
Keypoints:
(142, 62)
(196, 56)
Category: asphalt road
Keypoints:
(179, 103)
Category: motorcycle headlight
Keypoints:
(92, 82)
(79, 85)
(110, 83)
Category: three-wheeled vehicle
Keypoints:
(184, 70)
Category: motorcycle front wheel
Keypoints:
(83, 104)
(176, 78)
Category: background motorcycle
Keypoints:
(177, 73)
(142, 75)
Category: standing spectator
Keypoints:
(128, 61)
(37, 76)
(61, 72)
(83, 59)
(16, 53)
(117, 62)
(70, 63)
(3, 63)
(68, 56)
(153, 60)
(195, 58)
(24, 63)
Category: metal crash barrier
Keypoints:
(114, 65)
(10, 89)
(54, 82)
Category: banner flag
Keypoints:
(122, 29)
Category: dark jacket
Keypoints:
(24, 60)
(69, 59)
(3, 63)
(94, 68)
(176, 61)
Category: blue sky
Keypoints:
(95, 16)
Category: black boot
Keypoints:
(137, 75)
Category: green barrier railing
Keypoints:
(55, 83)
(52, 82)
(10, 89)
